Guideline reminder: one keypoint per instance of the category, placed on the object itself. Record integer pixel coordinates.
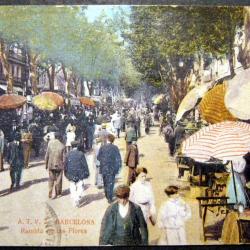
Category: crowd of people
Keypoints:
(65, 137)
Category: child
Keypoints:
(171, 218)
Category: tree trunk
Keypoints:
(51, 75)
(6, 66)
(244, 53)
(231, 64)
(33, 72)
(90, 87)
(66, 81)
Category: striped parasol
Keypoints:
(224, 141)
(212, 107)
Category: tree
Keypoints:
(161, 37)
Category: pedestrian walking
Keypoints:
(147, 122)
(2, 142)
(76, 170)
(54, 162)
(37, 135)
(130, 135)
(141, 193)
(16, 160)
(70, 135)
(172, 216)
(27, 146)
(110, 164)
(102, 135)
(138, 126)
(132, 160)
(116, 122)
(123, 222)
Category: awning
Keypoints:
(3, 87)
(15, 89)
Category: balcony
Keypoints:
(17, 57)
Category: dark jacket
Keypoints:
(132, 156)
(76, 167)
(110, 159)
(139, 226)
(15, 155)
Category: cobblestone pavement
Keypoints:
(28, 217)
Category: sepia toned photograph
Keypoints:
(124, 125)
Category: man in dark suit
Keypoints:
(76, 169)
(123, 222)
(54, 161)
(16, 160)
(110, 164)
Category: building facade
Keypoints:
(19, 69)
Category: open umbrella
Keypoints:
(191, 99)
(58, 99)
(212, 106)
(87, 101)
(224, 141)
(11, 101)
(48, 101)
(44, 103)
(237, 97)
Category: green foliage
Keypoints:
(160, 36)
(62, 35)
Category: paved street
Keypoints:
(25, 215)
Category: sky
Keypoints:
(94, 11)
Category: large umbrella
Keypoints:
(87, 101)
(11, 101)
(44, 103)
(224, 141)
(237, 97)
(48, 101)
(58, 99)
(212, 106)
(191, 99)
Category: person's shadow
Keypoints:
(25, 185)
(87, 199)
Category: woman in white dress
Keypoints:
(70, 135)
(171, 218)
(141, 193)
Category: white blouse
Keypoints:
(142, 195)
(173, 213)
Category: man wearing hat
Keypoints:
(76, 169)
(54, 162)
(110, 164)
(123, 222)
(16, 160)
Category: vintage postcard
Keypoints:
(124, 125)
